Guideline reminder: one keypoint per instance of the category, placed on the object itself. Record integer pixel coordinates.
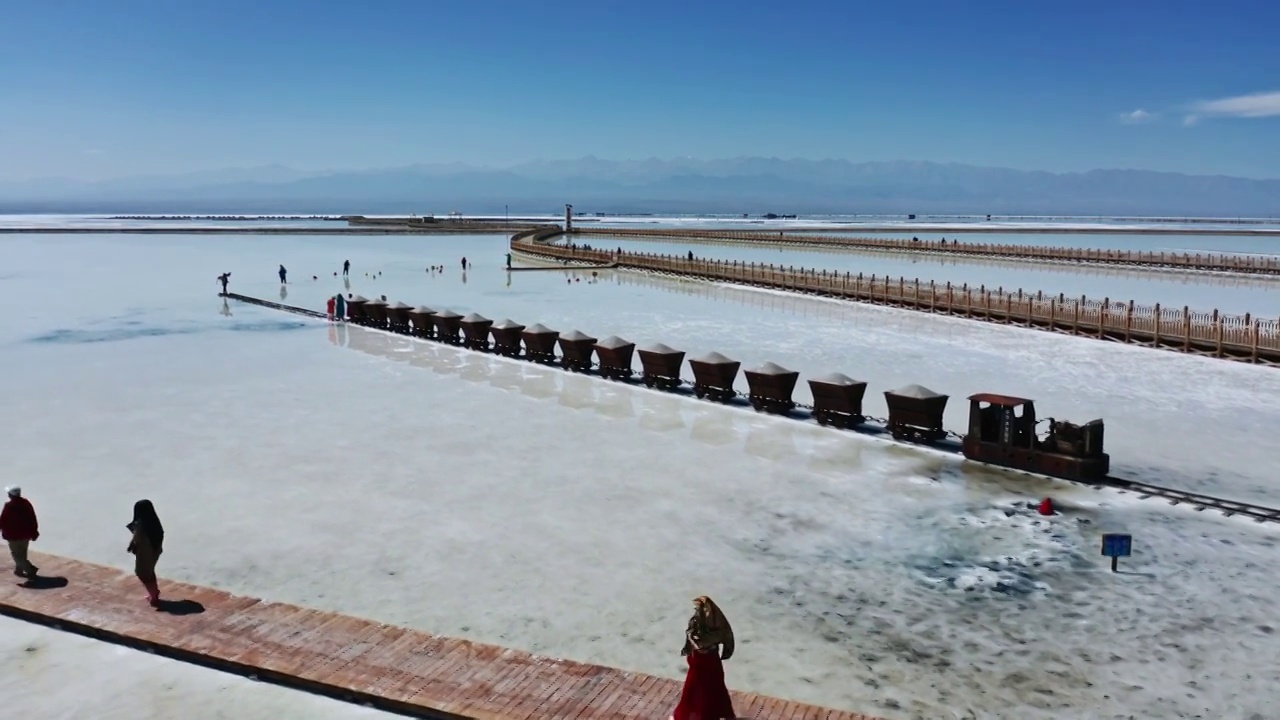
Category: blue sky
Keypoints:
(95, 89)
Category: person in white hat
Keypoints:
(19, 528)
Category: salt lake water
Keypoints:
(468, 495)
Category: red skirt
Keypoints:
(705, 696)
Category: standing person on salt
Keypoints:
(146, 546)
(708, 641)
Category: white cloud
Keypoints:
(1256, 105)
(1137, 117)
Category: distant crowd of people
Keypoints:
(225, 278)
(20, 527)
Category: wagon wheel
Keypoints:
(822, 418)
(757, 405)
(648, 381)
(699, 392)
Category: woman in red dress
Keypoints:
(705, 696)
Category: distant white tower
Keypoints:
(568, 218)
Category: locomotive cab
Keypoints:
(1002, 419)
(1002, 431)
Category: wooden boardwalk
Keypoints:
(391, 668)
(1162, 260)
(1245, 338)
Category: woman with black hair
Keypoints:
(146, 546)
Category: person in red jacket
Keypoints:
(18, 527)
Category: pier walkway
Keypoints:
(1245, 338)
(395, 669)
(1199, 262)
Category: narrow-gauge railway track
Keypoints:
(1198, 501)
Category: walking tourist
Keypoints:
(146, 546)
(283, 272)
(708, 641)
(19, 528)
(346, 268)
(224, 278)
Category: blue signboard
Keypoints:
(1116, 545)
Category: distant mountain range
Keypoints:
(753, 185)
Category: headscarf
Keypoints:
(708, 628)
(146, 520)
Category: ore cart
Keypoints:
(771, 386)
(713, 376)
(837, 400)
(915, 413)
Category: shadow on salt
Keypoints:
(661, 414)
(475, 368)
(577, 392)
(136, 330)
(615, 402)
(773, 441)
(713, 426)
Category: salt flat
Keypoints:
(463, 494)
(39, 665)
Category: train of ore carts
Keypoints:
(1002, 429)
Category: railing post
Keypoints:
(1156, 329)
(1217, 323)
(1186, 328)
